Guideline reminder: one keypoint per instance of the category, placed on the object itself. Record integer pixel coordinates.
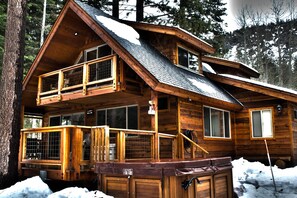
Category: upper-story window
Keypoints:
(188, 59)
(216, 123)
(295, 113)
(261, 123)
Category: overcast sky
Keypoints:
(234, 7)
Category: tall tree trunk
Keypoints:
(11, 89)
(139, 10)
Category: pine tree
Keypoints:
(11, 90)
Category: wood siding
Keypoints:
(191, 118)
(280, 146)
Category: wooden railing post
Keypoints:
(114, 72)
(64, 152)
(85, 78)
(39, 90)
(60, 84)
(122, 146)
(106, 143)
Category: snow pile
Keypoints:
(253, 179)
(35, 188)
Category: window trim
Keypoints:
(251, 123)
(230, 129)
(118, 107)
(191, 51)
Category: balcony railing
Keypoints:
(70, 152)
(97, 73)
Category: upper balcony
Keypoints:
(89, 78)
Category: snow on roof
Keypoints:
(207, 68)
(120, 29)
(243, 64)
(278, 88)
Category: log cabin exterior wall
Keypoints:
(280, 146)
(293, 107)
(191, 118)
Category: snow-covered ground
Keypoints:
(251, 179)
(35, 188)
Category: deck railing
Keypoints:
(68, 152)
(96, 73)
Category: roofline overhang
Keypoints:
(174, 31)
(254, 87)
(168, 89)
(232, 64)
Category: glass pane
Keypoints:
(163, 103)
(66, 120)
(132, 118)
(78, 119)
(227, 124)
(91, 55)
(267, 123)
(101, 117)
(55, 121)
(193, 62)
(206, 121)
(182, 57)
(217, 123)
(257, 128)
(116, 118)
(104, 50)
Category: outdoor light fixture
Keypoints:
(151, 110)
(279, 108)
(186, 183)
(90, 112)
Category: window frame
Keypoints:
(188, 52)
(271, 109)
(118, 107)
(229, 123)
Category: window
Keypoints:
(121, 117)
(261, 121)
(216, 123)
(70, 119)
(32, 121)
(188, 59)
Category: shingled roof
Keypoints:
(153, 61)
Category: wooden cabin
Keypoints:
(144, 109)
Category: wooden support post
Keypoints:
(64, 152)
(154, 123)
(106, 143)
(180, 143)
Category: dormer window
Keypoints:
(188, 59)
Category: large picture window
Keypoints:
(216, 123)
(188, 59)
(261, 121)
(120, 117)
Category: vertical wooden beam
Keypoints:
(64, 152)
(85, 78)
(122, 75)
(39, 90)
(114, 72)
(106, 142)
(60, 84)
(122, 146)
(154, 125)
(291, 132)
(180, 143)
